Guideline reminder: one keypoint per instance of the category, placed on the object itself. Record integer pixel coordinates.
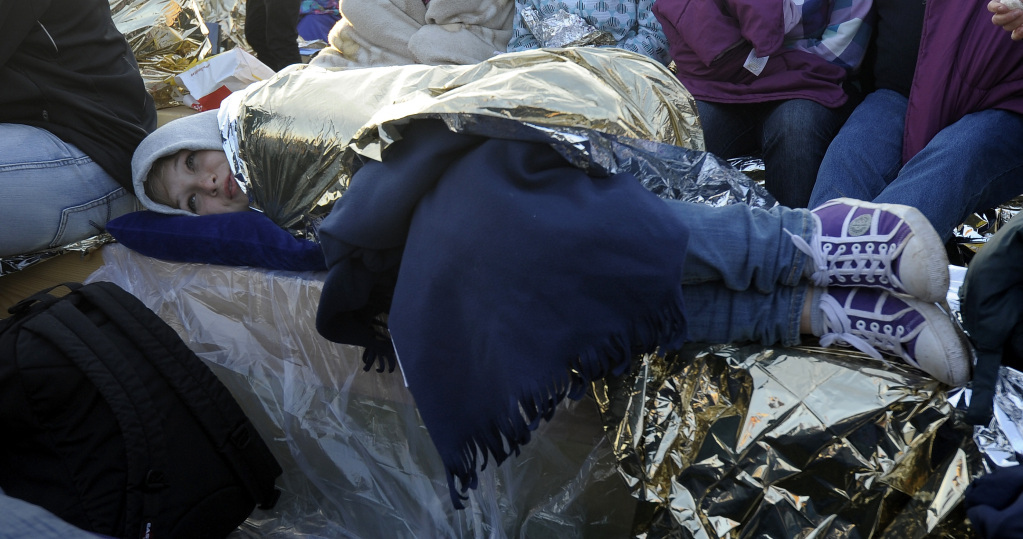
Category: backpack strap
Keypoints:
(71, 332)
(43, 296)
(209, 401)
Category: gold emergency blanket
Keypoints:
(722, 442)
(170, 36)
(302, 133)
(746, 441)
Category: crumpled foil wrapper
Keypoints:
(167, 37)
(229, 15)
(563, 29)
(748, 441)
(679, 173)
(970, 236)
(1001, 440)
(12, 264)
(295, 139)
(750, 166)
(170, 36)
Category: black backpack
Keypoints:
(112, 423)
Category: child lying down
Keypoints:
(511, 279)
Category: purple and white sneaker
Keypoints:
(922, 334)
(887, 246)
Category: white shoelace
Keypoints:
(876, 267)
(841, 328)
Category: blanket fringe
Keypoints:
(661, 329)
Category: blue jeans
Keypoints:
(791, 137)
(53, 194)
(19, 518)
(743, 277)
(972, 165)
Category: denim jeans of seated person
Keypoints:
(53, 194)
(972, 165)
(791, 136)
(743, 275)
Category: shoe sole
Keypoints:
(956, 367)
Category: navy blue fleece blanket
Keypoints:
(505, 278)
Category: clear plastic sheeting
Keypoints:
(295, 140)
(358, 461)
(748, 441)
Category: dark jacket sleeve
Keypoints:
(994, 503)
(991, 300)
(66, 68)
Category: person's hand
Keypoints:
(1009, 16)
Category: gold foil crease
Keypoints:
(747, 441)
(974, 232)
(168, 37)
(229, 15)
(300, 135)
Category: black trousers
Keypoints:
(271, 28)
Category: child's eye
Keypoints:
(190, 161)
(191, 204)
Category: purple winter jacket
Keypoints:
(966, 64)
(710, 39)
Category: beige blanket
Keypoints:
(376, 33)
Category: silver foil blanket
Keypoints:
(748, 441)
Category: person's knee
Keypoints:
(803, 123)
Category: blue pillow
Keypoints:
(230, 239)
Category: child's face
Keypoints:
(200, 181)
